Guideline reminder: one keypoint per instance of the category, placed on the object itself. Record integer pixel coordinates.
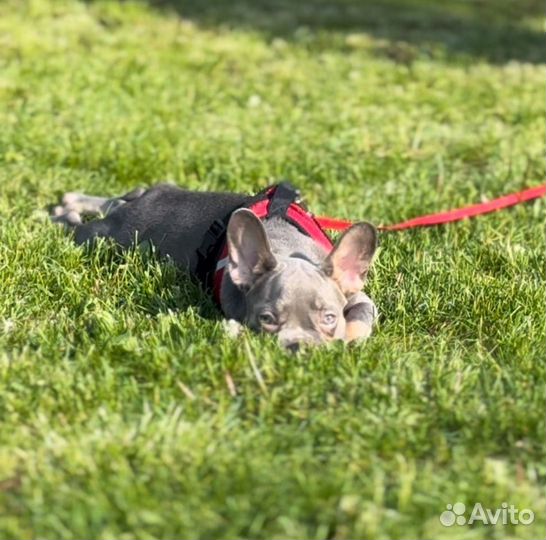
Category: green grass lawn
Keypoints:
(116, 417)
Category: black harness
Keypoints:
(280, 197)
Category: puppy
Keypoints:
(266, 259)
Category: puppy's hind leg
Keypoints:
(94, 206)
(133, 194)
(88, 205)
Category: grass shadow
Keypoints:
(497, 32)
(156, 284)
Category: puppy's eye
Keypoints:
(329, 319)
(268, 319)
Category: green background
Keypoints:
(116, 418)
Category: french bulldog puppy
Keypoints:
(277, 278)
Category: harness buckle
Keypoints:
(284, 195)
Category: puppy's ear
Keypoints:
(249, 251)
(350, 260)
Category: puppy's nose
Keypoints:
(294, 346)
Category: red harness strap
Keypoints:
(313, 226)
(305, 221)
(449, 216)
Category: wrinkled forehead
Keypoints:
(299, 283)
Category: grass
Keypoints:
(126, 412)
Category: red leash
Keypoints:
(446, 217)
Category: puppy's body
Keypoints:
(171, 218)
(278, 279)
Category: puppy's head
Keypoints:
(291, 297)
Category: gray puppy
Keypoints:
(278, 278)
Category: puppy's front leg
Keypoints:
(360, 314)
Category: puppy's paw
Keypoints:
(68, 219)
(357, 331)
(360, 314)
(232, 328)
